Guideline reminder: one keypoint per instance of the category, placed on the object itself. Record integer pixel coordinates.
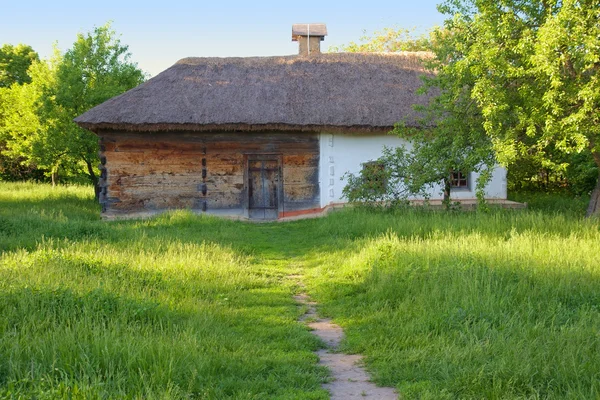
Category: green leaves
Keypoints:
(95, 69)
(14, 62)
(36, 118)
(387, 40)
(534, 68)
(450, 136)
(517, 81)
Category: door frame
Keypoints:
(253, 156)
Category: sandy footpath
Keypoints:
(349, 379)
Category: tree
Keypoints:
(574, 173)
(39, 126)
(449, 138)
(14, 63)
(386, 181)
(95, 69)
(388, 40)
(26, 122)
(536, 72)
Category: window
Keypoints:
(459, 180)
(374, 176)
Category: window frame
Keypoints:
(376, 184)
(457, 178)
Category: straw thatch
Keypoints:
(326, 92)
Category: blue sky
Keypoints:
(160, 33)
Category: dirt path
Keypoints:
(350, 380)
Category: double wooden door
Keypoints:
(263, 186)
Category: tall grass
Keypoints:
(97, 310)
(564, 203)
(503, 304)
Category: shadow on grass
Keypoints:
(23, 223)
(344, 230)
(443, 323)
(429, 321)
(68, 206)
(63, 344)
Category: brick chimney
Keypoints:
(309, 38)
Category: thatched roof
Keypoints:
(325, 92)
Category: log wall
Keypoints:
(202, 171)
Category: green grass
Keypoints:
(140, 309)
(504, 304)
(554, 202)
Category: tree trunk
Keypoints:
(54, 176)
(594, 205)
(93, 178)
(447, 187)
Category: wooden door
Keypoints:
(263, 187)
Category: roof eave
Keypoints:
(231, 127)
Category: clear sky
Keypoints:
(160, 33)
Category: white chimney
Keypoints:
(309, 37)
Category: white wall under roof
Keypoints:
(341, 153)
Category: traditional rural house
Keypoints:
(258, 137)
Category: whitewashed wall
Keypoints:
(341, 153)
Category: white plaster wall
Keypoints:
(341, 153)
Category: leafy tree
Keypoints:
(40, 125)
(456, 143)
(387, 40)
(535, 67)
(450, 137)
(25, 123)
(95, 69)
(14, 63)
(574, 173)
(385, 181)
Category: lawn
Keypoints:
(498, 304)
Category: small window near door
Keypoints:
(459, 180)
(375, 176)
